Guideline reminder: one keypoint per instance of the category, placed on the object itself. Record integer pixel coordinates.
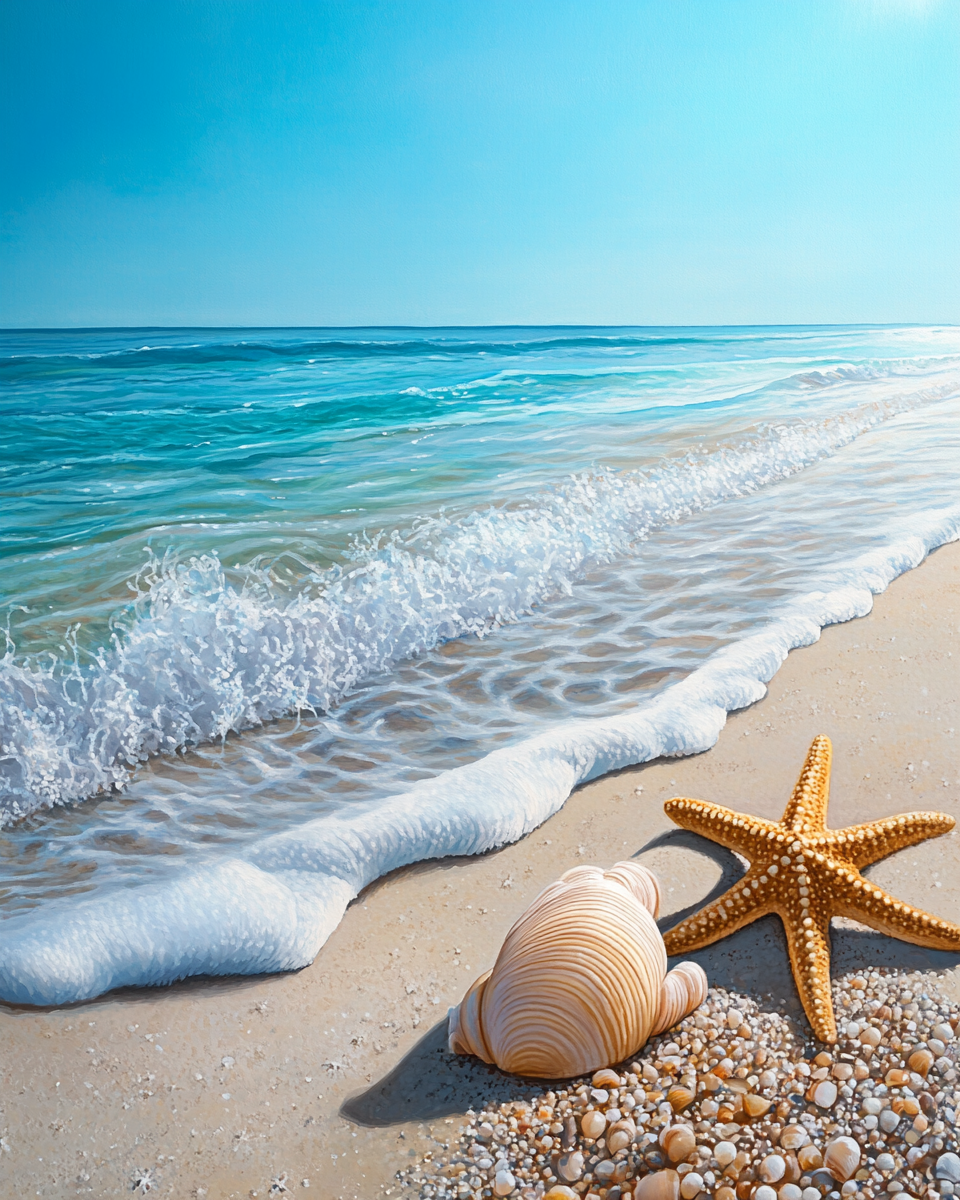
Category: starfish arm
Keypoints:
(864, 844)
(809, 947)
(807, 810)
(740, 832)
(863, 901)
(738, 906)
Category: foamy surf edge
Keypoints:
(273, 909)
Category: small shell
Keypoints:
(793, 1137)
(920, 1061)
(680, 1098)
(809, 1158)
(772, 1168)
(570, 1166)
(593, 1123)
(618, 1139)
(560, 1191)
(725, 1193)
(842, 1158)
(605, 1079)
(659, 1185)
(625, 1125)
(678, 1142)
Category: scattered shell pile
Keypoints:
(735, 1103)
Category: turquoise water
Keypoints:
(253, 577)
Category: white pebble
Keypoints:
(948, 1167)
(790, 1191)
(691, 1185)
(885, 1162)
(504, 1183)
(810, 1193)
(764, 1192)
(724, 1153)
(772, 1168)
(889, 1120)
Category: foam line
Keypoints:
(273, 909)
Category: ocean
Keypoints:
(286, 609)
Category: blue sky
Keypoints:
(669, 162)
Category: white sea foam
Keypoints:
(202, 658)
(273, 909)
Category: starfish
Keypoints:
(808, 874)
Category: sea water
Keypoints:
(287, 609)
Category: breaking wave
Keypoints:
(199, 657)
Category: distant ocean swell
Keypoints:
(273, 908)
(200, 658)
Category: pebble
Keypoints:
(948, 1167)
(504, 1183)
(593, 1123)
(691, 1185)
(736, 1102)
(772, 1168)
(724, 1153)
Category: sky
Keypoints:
(654, 162)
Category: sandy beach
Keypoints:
(327, 1081)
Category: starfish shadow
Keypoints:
(430, 1082)
(731, 867)
(755, 961)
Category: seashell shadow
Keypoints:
(430, 1081)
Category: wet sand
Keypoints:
(330, 1079)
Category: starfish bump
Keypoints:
(807, 874)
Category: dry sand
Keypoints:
(338, 1074)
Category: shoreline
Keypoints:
(365, 1020)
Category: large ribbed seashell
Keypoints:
(581, 980)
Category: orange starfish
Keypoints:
(807, 874)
